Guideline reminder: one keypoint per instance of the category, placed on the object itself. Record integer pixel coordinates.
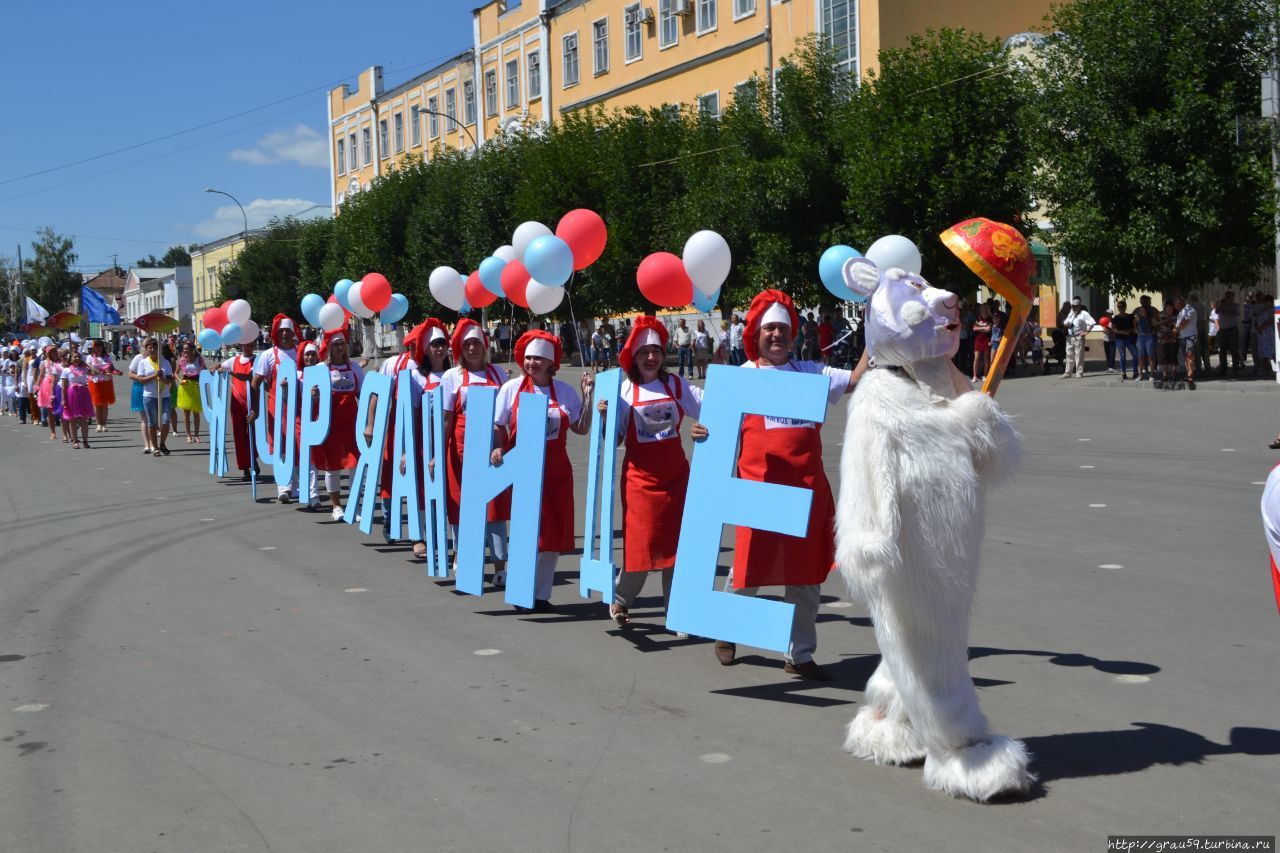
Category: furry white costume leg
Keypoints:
(881, 731)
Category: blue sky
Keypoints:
(87, 78)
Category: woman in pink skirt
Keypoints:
(77, 405)
(50, 376)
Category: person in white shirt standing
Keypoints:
(1186, 326)
(1077, 324)
(284, 343)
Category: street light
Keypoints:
(448, 118)
(238, 204)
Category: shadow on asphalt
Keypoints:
(1115, 667)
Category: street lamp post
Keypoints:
(245, 233)
(448, 118)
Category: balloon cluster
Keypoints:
(696, 276)
(227, 325)
(886, 253)
(364, 298)
(532, 271)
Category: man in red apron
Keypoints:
(284, 342)
(787, 452)
(240, 368)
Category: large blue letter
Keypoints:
(404, 445)
(314, 431)
(284, 450)
(717, 497)
(213, 399)
(434, 442)
(521, 469)
(364, 479)
(597, 570)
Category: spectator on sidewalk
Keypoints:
(1108, 341)
(981, 342)
(1246, 326)
(702, 347)
(826, 334)
(1228, 333)
(683, 339)
(1145, 319)
(1078, 324)
(736, 330)
(964, 355)
(1264, 336)
(1167, 334)
(1186, 327)
(1126, 338)
(1202, 331)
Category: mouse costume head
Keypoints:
(908, 320)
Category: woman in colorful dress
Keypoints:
(156, 375)
(188, 375)
(470, 347)
(136, 403)
(102, 389)
(982, 328)
(652, 406)
(538, 356)
(240, 368)
(50, 376)
(337, 454)
(77, 405)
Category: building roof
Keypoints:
(145, 273)
(419, 79)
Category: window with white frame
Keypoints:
(632, 35)
(668, 24)
(384, 150)
(569, 71)
(366, 145)
(451, 110)
(706, 16)
(353, 154)
(491, 92)
(600, 46)
(399, 129)
(743, 8)
(709, 105)
(433, 117)
(469, 102)
(534, 61)
(415, 126)
(746, 93)
(513, 83)
(342, 158)
(839, 23)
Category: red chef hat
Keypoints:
(537, 342)
(420, 337)
(643, 333)
(460, 333)
(282, 321)
(760, 306)
(329, 338)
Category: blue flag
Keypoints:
(95, 307)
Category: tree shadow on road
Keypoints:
(1114, 667)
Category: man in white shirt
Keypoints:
(1186, 327)
(683, 339)
(1077, 324)
(736, 331)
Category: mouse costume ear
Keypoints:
(861, 276)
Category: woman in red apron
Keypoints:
(240, 368)
(338, 453)
(787, 452)
(655, 470)
(430, 350)
(284, 342)
(407, 360)
(470, 347)
(538, 355)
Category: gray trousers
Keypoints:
(804, 625)
(627, 586)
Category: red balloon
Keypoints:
(224, 305)
(515, 278)
(586, 234)
(375, 291)
(663, 280)
(215, 318)
(478, 296)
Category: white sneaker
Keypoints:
(338, 513)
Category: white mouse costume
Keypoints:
(920, 451)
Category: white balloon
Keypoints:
(525, 234)
(357, 306)
(895, 251)
(542, 298)
(505, 253)
(707, 260)
(248, 330)
(332, 316)
(448, 287)
(238, 312)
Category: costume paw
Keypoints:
(981, 772)
(884, 740)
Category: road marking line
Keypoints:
(840, 604)
(29, 709)
(1110, 566)
(267, 548)
(715, 757)
(487, 652)
(1132, 679)
(356, 589)
(1086, 466)
(1098, 506)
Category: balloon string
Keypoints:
(577, 333)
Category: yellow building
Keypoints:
(208, 263)
(534, 60)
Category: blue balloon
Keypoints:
(549, 260)
(831, 271)
(490, 270)
(395, 310)
(703, 302)
(231, 334)
(466, 307)
(311, 305)
(209, 339)
(340, 290)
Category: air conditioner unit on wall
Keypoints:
(682, 7)
(644, 15)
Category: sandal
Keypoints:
(420, 550)
(75, 445)
(619, 614)
(164, 450)
(1275, 445)
(155, 453)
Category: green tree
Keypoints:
(176, 256)
(50, 279)
(269, 272)
(1136, 123)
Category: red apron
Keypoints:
(338, 451)
(655, 476)
(789, 454)
(271, 406)
(499, 507)
(241, 376)
(555, 525)
(389, 443)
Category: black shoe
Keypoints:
(809, 669)
(285, 499)
(541, 605)
(1191, 385)
(244, 476)
(725, 652)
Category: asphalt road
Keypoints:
(184, 670)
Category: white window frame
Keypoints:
(384, 148)
(415, 126)
(824, 21)
(710, 10)
(433, 117)
(566, 42)
(353, 153)
(637, 29)
(533, 68)
(398, 131)
(491, 92)
(366, 145)
(342, 156)
(513, 80)
(743, 9)
(702, 107)
(599, 38)
(451, 109)
(666, 12)
(468, 102)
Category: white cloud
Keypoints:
(227, 220)
(300, 144)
